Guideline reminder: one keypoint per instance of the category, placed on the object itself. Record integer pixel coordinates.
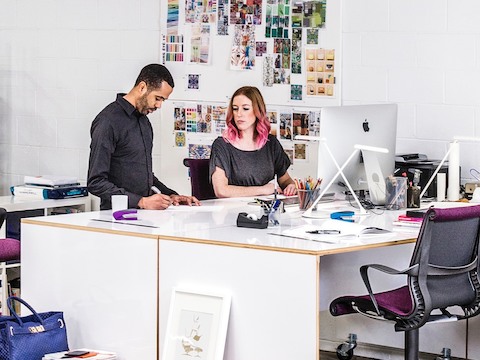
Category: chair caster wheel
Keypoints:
(345, 350)
(344, 355)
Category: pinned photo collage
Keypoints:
(320, 72)
(197, 125)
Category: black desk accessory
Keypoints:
(248, 221)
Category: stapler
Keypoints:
(125, 214)
(252, 221)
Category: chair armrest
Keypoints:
(412, 270)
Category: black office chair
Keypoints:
(202, 188)
(445, 257)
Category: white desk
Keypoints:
(114, 281)
(15, 203)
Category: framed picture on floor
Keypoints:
(197, 325)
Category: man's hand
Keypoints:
(155, 202)
(184, 200)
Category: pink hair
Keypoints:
(262, 128)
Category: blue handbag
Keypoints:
(31, 337)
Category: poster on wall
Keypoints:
(243, 48)
(246, 12)
(320, 74)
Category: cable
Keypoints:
(367, 204)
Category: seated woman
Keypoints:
(246, 158)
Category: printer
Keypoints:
(408, 163)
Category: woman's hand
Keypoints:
(290, 190)
(184, 200)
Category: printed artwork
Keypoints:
(191, 119)
(282, 53)
(320, 72)
(243, 48)
(203, 11)
(173, 48)
(314, 123)
(296, 92)
(179, 118)
(200, 43)
(219, 116)
(260, 48)
(314, 13)
(172, 17)
(204, 122)
(193, 81)
(277, 19)
(268, 70)
(300, 151)
(222, 17)
(197, 331)
(246, 12)
(286, 126)
(309, 14)
(312, 36)
(272, 117)
(199, 151)
(180, 138)
(297, 51)
(300, 123)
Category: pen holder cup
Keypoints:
(396, 198)
(307, 197)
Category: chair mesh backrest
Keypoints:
(202, 188)
(3, 216)
(448, 238)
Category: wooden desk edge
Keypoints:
(223, 243)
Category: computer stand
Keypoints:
(310, 211)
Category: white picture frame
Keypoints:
(197, 325)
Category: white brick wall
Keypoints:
(62, 61)
(422, 54)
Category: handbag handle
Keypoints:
(23, 302)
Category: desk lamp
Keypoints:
(453, 155)
(357, 148)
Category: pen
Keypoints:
(275, 188)
(324, 232)
(302, 238)
(155, 190)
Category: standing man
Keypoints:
(122, 142)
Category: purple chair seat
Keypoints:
(9, 249)
(393, 303)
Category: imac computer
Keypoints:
(344, 127)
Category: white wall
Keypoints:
(423, 55)
(62, 61)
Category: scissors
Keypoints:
(342, 215)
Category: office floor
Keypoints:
(325, 355)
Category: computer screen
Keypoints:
(343, 127)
